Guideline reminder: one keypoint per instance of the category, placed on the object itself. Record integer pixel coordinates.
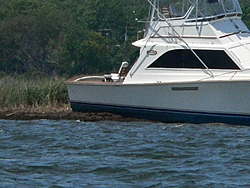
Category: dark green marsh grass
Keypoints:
(17, 92)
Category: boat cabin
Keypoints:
(190, 40)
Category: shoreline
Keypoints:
(60, 114)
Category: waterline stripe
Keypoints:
(164, 115)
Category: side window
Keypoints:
(177, 59)
(184, 58)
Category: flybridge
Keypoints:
(196, 9)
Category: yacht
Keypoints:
(193, 67)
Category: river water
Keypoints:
(45, 153)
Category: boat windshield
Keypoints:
(198, 9)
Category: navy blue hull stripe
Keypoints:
(164, 115)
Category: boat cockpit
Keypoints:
(197, 9)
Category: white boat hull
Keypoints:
(194, 102)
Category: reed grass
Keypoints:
(18, 92)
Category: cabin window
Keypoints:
(184, 58)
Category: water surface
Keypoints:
(46, 153)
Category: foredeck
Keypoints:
(94, 81)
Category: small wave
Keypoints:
(110, 170)
(3, 159)
(53, 168)
(179, 125)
